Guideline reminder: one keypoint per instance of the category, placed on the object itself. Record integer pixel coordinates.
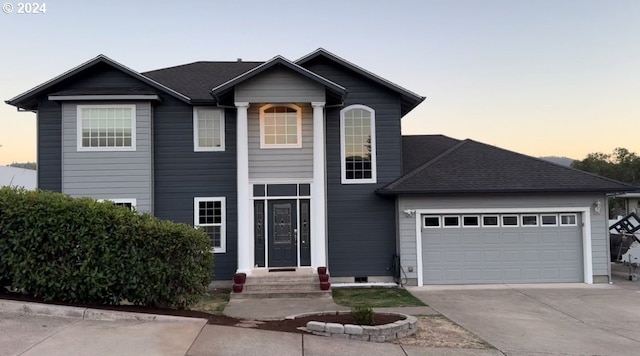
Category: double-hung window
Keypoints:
(209, 214)
(358, 144)
(208, 129)
(106, 127)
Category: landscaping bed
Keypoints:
(291, 325)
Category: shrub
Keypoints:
(83, 251)
(363, 315)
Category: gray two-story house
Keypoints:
(301, 164)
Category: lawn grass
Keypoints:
(375, 297)
(213, 302)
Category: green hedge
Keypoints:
(84, 251)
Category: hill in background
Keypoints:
(563, 161)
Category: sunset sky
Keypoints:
(543, 77)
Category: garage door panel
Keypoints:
(522, 254)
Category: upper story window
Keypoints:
(280, 126)
(208, 129)
(358, 144)
(106, 128)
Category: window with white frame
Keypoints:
(549, 219)
(358, 144)
(568, 220)
(127, 203)
(106, 127)
(208, 129)
(529, 220)
(509, 220)
(470, 220)
(490, 220)
(451, 221)
(280, 126)
(209, 214)
(430, 222)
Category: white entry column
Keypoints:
(245, 242)
(318, 207)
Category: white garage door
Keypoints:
(502, 248)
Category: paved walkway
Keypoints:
(30, 329)
(228, 341)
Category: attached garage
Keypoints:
(471, 213)
(502, 248)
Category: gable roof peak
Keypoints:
(409, 99)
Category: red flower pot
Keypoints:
(239, 278)
(237, 288)
(325, 285)
(323, 277)
(322, 270)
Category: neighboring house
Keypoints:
(18, 177)
(302, 164)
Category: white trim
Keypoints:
(223, 219)
(444, 217)
(134, 122)
(502, 216)
(479, 224)
(343, 165)
(424, 224)
(245, 247)
(298, 144)
(575, 219)
(497, 216)
(102, 97)
(586, 231)
(543, 224)
(196, 130)
(317, 205)
(537, 224)
(132, 201)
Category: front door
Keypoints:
(283, 231)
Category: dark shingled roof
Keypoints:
(196, 80)
(473, 167)
(418, 150)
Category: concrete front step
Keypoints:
(281, 294)
(282, 279)
(287, 286)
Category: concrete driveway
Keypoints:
(547, 319)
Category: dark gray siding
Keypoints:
(49, 127)
(182, 174)
(361, 225)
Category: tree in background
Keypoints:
(26, 165)
(621, 165)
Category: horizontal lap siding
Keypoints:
(49, 127)
(279, 85)
(361, 224)
(109, 174)
(182, 174)
(407, 226)
(283, 163)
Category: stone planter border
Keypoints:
(380, 333)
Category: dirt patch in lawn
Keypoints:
(438, 331)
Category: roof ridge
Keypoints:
(197, 62)
(558, 165)
(426, 164)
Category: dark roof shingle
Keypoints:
(473, 167)
(196, 80)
